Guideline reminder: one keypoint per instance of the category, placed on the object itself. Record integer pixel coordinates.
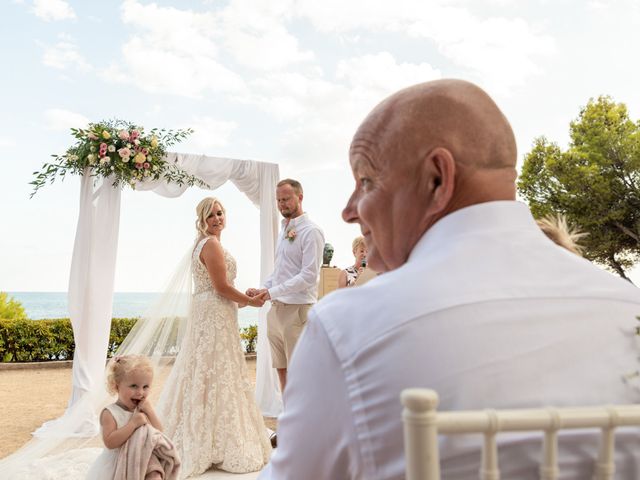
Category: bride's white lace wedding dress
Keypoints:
(207, 404)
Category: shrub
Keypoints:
(24, 340)
(249, 336)
(10, 308)
(52, 339)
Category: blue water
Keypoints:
(40, 305)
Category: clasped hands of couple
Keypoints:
(258, 296)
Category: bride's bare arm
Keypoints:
(212, 256)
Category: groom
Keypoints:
(293, 285)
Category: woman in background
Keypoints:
(349, 275)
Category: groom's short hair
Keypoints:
(296, 185)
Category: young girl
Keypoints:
(130, 377)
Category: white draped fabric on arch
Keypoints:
(93, 265)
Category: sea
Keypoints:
(39, 305)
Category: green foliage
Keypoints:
(23, 340)
(249, 336)
(595, 183)
(10, 308)
(128, 155)
(41, 340)
(120, 328)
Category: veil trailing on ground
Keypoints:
(71, 443)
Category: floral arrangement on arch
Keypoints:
(121, 150)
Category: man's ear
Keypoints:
(439, 171)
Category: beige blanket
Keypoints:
(146, 451)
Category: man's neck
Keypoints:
(293, 217)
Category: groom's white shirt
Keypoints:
(297, 264)
(488, 312)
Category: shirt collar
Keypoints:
(294, 222)
(489, 216)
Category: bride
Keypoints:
(207, 404)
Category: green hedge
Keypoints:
(43, 340)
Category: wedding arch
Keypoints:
(93, 263)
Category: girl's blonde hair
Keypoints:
(120, 367)
(203, 210)
(356, 243)
(558, 230)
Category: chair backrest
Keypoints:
(423, 423)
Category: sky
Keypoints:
(280, 81)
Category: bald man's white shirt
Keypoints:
(489, 313)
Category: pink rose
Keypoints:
(146, 164)
(124, 153)
(92, 136)
(134, 134)
(123, 135)
(103, 146)
(138, 166)
(145, 151)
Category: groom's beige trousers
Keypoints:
(285, 322)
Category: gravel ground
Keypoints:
(31, 397)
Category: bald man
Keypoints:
(474, 301)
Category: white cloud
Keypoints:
(255, 34)
(64, 55)
(53, 10)
(174, 51)
(209, 133)
(501, 51)
(188, 53)
(597, 5)
(6, 142)
(62, 120)
(156, 69)
(375, 76)
(319, 116)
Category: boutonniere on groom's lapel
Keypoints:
(290, 234)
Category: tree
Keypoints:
(595, 183)
(11, 309)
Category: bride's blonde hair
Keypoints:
(203, 210)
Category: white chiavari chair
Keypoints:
(423, 423)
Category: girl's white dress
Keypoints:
(207, 405)
(105, 465)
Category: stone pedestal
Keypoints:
(328, 280)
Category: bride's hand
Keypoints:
(256, 301)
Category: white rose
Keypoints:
(91, 158)
(111, 148)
